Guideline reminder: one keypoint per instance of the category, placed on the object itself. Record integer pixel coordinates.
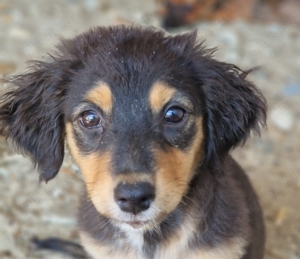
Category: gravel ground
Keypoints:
(30, 30)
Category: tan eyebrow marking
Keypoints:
(160, 94)
(101, 95)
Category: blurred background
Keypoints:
(250, 33)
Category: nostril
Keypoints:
(146, 202)
(145, 199)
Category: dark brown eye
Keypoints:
(174, 115)
(90, 119)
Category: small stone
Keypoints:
(282, 118)
(280, 216)
(4, 6)
(7, 244)
(291, 90)
(6, 18)
(54, 219)
(7, 68)
(298, 184)
(3, 173)
(91, 4)
(229, 38)
(17, 32)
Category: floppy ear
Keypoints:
(31, 115)
(234, 107)
(181, 44)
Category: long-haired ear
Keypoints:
(31, 115)
(234, 107)
(182, 43)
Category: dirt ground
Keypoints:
(30, 29)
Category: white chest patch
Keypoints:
(175, 248)
(135, 238)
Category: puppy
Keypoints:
(150, 120)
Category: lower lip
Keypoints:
(137, 224)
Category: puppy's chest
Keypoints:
(134, 246)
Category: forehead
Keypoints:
(130, 64)
(158, 96)
(128, 94)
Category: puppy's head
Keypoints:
(140, 111)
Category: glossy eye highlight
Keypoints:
(174, 115)
(90, 119)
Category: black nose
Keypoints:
(134, 198)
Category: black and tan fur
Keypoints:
(155, 188)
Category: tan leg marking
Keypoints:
(101, 96)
